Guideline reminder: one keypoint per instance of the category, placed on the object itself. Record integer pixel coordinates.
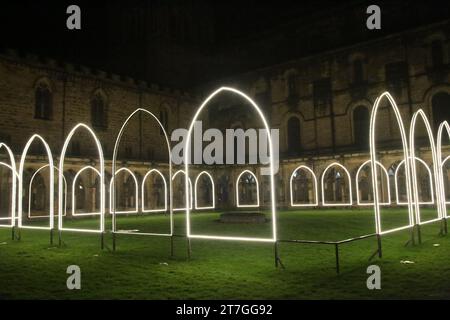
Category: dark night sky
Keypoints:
(39, 27)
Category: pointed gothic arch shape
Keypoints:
(386, 176)
(101, 228)
(213, 193)
(349, 181)
(51, 182)
(314, 181)
(136, 192)
(15, 178)
(144, 180)
(74, 183)
(433, 184)
(373, 158)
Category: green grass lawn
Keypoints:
(142, 268)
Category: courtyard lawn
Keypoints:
(142, 268)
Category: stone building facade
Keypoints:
(321, 104)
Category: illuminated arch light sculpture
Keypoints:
(74, 182)
(147, 175)
(396, 182)
(136, 192)
(314, 181)
(187, 154)
(51, 182)
(238, 204)
(15, 178)
(213, 194)
(191, 198)
(373, 158)
(101, 228)
(349, 181)
(112, 194)
(442, 166)
(443, 201)
(415, 188)
(29, 193)
(386, 176)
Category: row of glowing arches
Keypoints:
(347, 177)
(409, 161)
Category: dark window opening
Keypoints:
(437, 53)
(43, 102)
(441, 108)
(98, 112)
(293, 136)
(361, 127)
(358, 72)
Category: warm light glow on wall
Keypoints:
(114, 160)
(74, 189)
(213, 195)
(384, 173)
(187, 156)
(373, 158)
(14, 179)
(51, 182)
(314, 181)
(136, 192)
(415, 189)
(191, 198)
(147, 175)
(101, 227)
(29, 193)
(349, 181)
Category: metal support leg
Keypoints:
(102, 240)
(13, 233)
(59, 238)
(189, 247)
(114, 241)
(380, 252)
(419, 234)
(171, 246)
(336, 251)
(51, 237)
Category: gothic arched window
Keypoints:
(99, 111)
(43, 102)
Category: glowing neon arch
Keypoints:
(272, 171)
(29, 193)
(442, 165)
(385, 174)
(316, 189)
(349, 179)
(74, 182)
(114, 160)
(136, 192)
(430, 179)
(373, 158)
(443, 201)
(237, 191)
(416, 115)
(52, 181)
(197, 207)
(101, 227)
(191, 198)
(15, 179)
(143, 191)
